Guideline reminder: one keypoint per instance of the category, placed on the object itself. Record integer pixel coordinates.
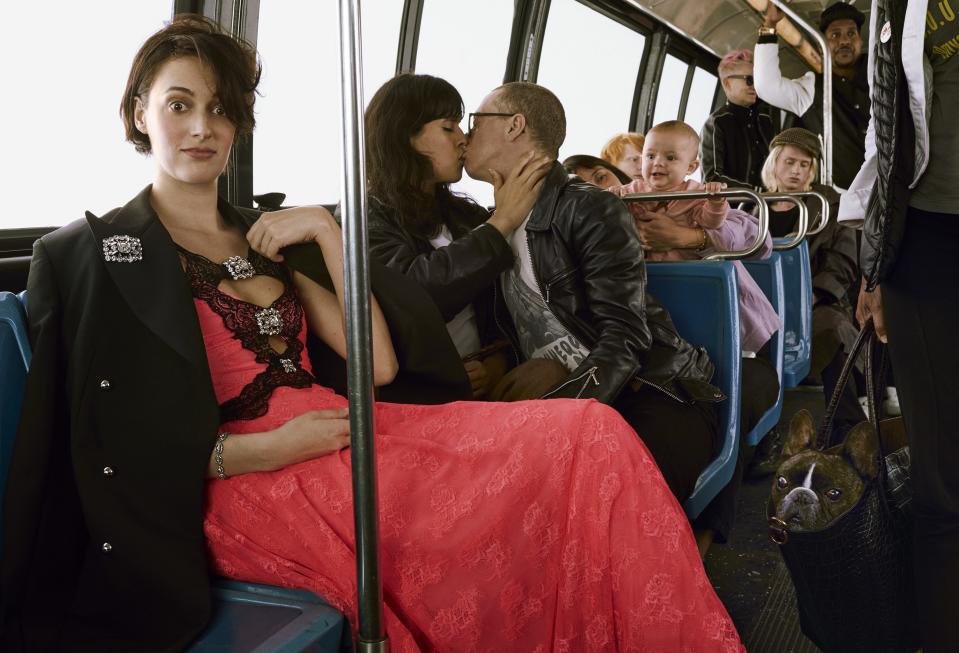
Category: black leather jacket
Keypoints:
(735, 143)
(589, 265)
(462, 273)
(895, 152)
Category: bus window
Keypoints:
(466, 43)
(700, 102)
(64, 151)
(670, 89)
(297, 146)
(590, 62)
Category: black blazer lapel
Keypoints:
(155, 287)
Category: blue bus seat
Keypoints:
(768, 274)
(702, 299)
(797, 282)
(246, 617)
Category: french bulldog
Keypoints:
(812, 488)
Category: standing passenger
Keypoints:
(840, 23)
(736, 136)
(907, 196)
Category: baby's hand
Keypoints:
(715, 187)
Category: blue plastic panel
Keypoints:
(263, 619)
(702, 298)
(768, 274)
(797, 283)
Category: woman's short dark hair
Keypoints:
(571, 163)
(233, 62)
(396, 173)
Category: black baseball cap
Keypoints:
(838, 11)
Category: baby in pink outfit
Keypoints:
(670, 153)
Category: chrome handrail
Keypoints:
(371, 636)
(824, 215)
(800, 233)
(826, 88)
(734, 193)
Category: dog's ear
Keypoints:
(801, 434)
(861, 449)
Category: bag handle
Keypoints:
(824, 438)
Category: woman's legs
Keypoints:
(681, 438)
(922, 317)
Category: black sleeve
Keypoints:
(453, 275)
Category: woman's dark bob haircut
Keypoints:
(396, 173)
(588, 161)
(233, 62)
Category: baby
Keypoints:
(669, 155)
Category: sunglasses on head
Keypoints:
(747, 78)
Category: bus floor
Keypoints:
(748, 572)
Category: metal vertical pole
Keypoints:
(826, 88)
(371, 636)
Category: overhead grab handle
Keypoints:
(800, 233)
(729, 193)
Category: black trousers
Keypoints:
(681, 437)
(921, 308)
(760, 389)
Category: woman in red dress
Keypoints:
(532, 526)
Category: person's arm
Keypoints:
(795, 95)
(614, 280)
(325, 311)
(837, 257)
(711, 212)
(456, 273)
(712, 154)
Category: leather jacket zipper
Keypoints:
(556, 280)
(589, 374)
(664, 391)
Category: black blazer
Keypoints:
(103, 544)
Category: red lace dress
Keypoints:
(534, 526)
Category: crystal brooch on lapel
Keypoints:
(239, 268)
(122, 249)
(269, 321)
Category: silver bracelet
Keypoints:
(218, 455)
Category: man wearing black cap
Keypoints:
(840, 23)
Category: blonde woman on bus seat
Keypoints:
(833, 256)
(124, 496)
(625, 151)
(444, 241)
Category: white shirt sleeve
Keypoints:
(794, 95)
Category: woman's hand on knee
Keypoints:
(311, 435)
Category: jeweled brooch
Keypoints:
(269, 321)
(122, 249)
(288, 366)
(239, 268)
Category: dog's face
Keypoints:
(812, 488)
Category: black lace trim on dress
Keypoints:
(253, 326)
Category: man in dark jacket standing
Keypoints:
(840, 23)
(735, 139)
(576, 292)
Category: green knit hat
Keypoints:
(799, 137)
